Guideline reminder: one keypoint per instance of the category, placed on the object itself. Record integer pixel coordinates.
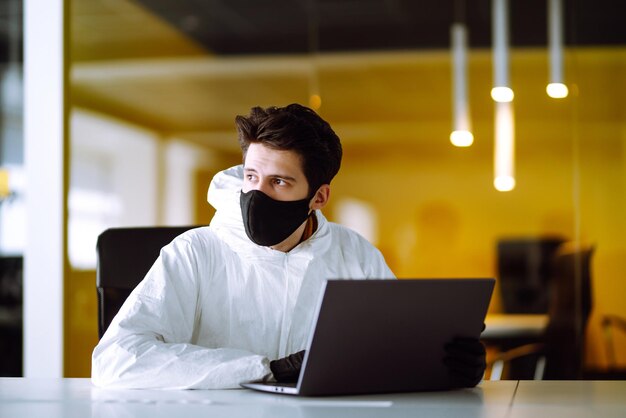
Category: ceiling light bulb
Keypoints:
(461, 138)
(504, 183)
(502, 94)
(315, 101)
(557, 90)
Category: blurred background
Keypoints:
(155, 85)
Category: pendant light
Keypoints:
(556, 88)
(461, 135)
(504, 147)
(501, 91)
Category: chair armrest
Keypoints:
(497, 363)
(611, 320)
(518, 352)
(608, 322)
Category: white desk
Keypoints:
(69, 398)
(572, 399)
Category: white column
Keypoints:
(44, 158)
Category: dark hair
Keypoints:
(294, 128)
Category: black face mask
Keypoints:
(269, 222)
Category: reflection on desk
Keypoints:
(506, 326)
(516, 399)
(578, 398)
(78, 398)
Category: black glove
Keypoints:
(287, 369)
(465, 358)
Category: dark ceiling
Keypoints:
(10, 31)
(289, 26)
(231, 27)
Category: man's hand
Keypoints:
(287, 369)
(465, 358)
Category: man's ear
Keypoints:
(321, 197)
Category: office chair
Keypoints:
(560, 351)
(124, 257)
(524, 266)
(524, 272)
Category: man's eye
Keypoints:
(279, 182)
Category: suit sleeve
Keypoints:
(149, 344)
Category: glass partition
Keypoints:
(156, 86)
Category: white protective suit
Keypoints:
(215, 307)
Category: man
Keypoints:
(222, 301)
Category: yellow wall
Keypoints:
(81, 322)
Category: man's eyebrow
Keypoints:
(280, 176)
(284, 177)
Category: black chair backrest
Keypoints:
(124, 257)
(524, 271)
(570, 306)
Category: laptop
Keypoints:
(383, 336)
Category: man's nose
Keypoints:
(262, 186)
